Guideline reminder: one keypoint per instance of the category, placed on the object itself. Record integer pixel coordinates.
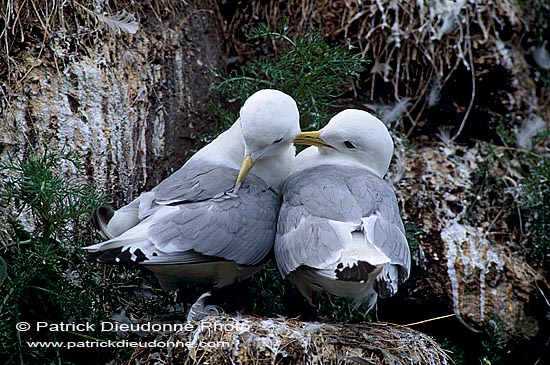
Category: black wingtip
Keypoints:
(116, 256)
(360, 271)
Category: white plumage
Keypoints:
(339, 228)
(211, 221)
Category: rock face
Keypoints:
(133, 105)
(465, 259)
(487, 282)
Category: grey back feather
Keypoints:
(314, 197)
(195, 181)
(193, 216)
(240, 228)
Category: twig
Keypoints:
(430, 320)
(6, 246)
(472, 69)
(543, 295)
(89, 337)
(502, 210)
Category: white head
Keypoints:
(269, 121)
(360, 137)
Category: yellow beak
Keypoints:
(246, 166)
(310, 139)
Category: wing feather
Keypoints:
(204, 221)
(195, 181)
(324, 205)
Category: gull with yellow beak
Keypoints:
(339, 229)
(214, 220)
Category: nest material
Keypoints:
(416, 46)
(251, 340)
(59, 31)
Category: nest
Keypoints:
(251, 340)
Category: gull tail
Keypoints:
(112, 223)
(100, 219)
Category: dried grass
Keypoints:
(416, 46)
(31, 29)
(285, 341)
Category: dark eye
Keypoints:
(348, 144)
(278, 140)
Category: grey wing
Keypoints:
(324, 205)
(396, 246)
(303, 239)
(196, 181)
(314, 219)
(189, 183)
(323, 192)
(388, 229)
(239, 227)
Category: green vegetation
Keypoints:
(313, 72)
(535, 203)
(340, 310)
(455, 351)
(511, 187)
(266, 291)
(412, 232)
(43, 275)
(493, 343)
(536, 13)
(43, 278)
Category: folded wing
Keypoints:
(339, 230)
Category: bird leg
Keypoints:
(198, 310)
